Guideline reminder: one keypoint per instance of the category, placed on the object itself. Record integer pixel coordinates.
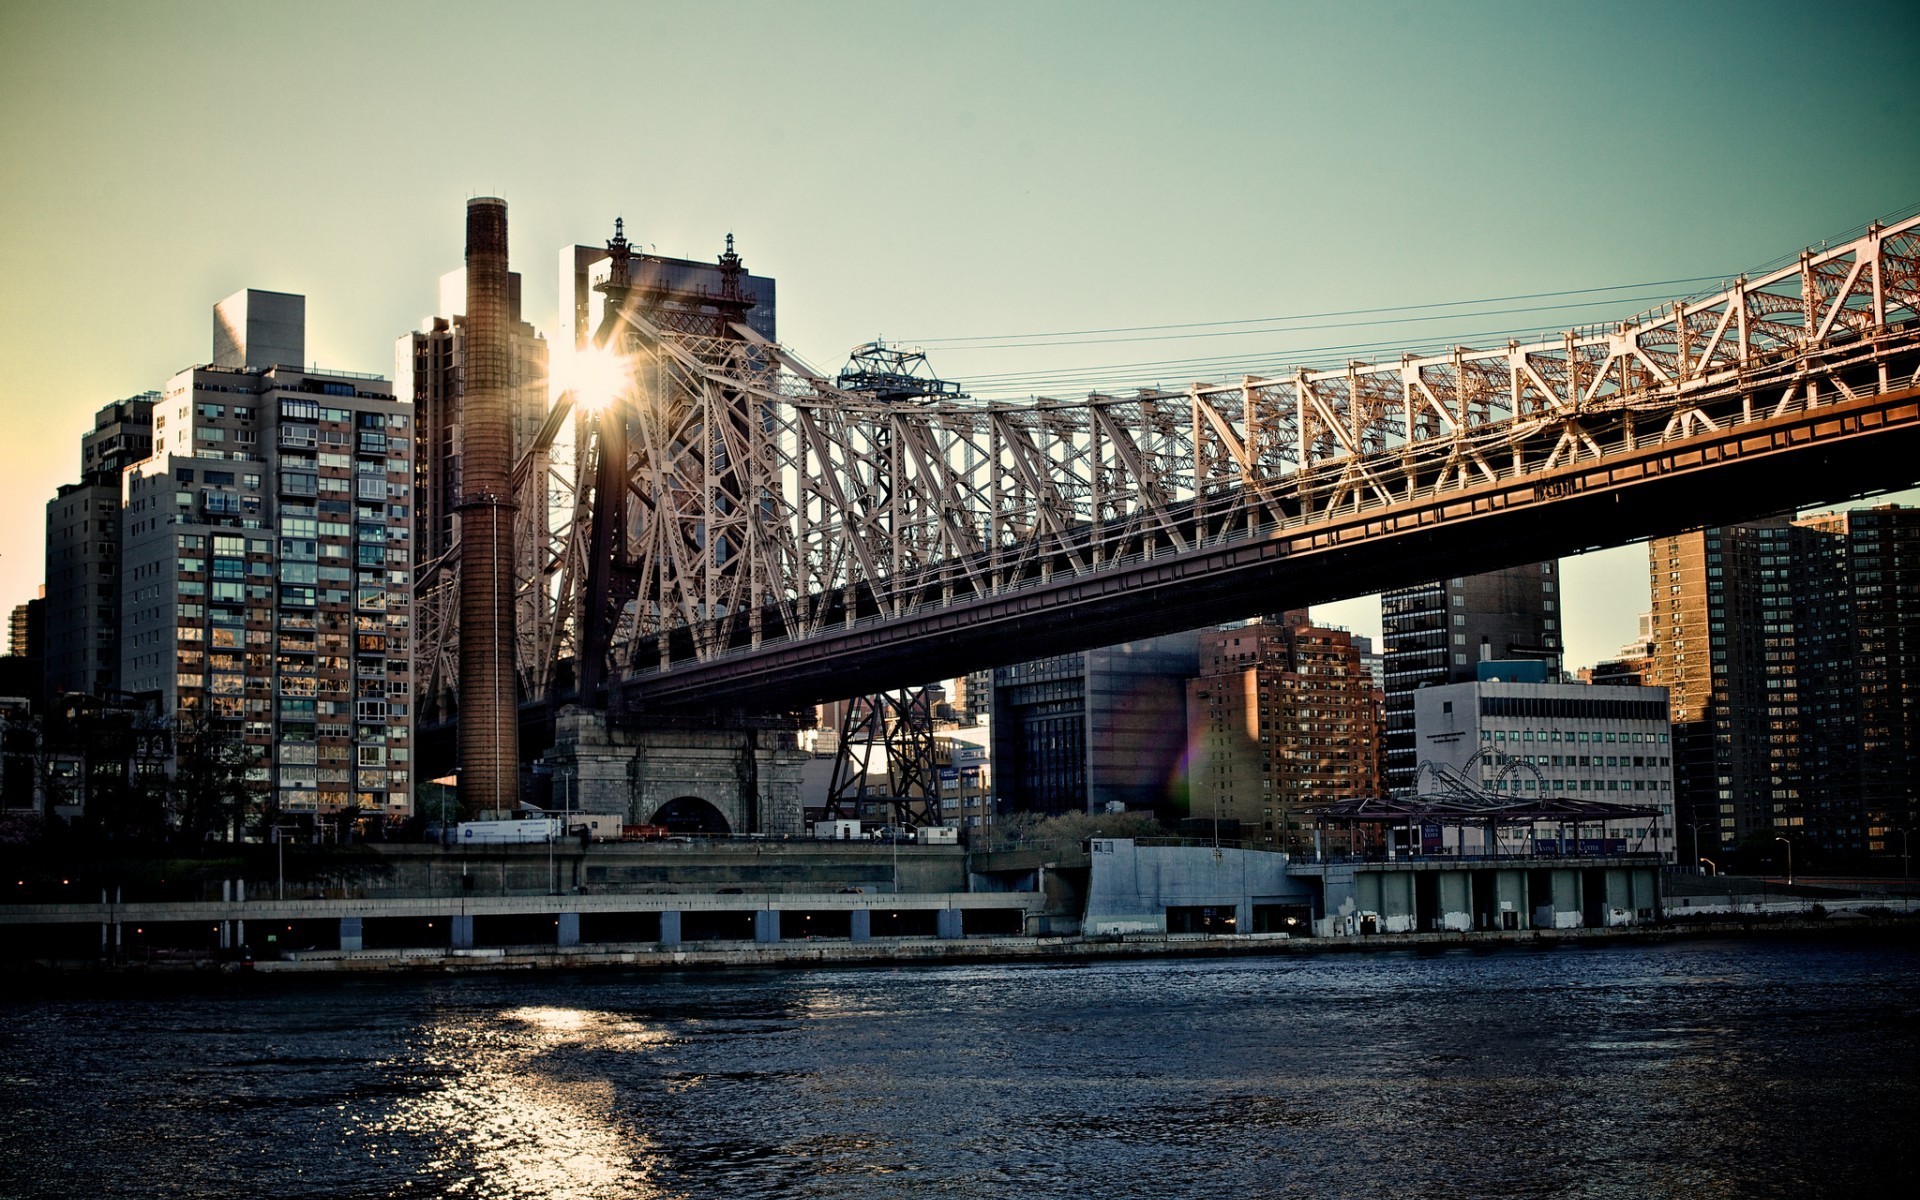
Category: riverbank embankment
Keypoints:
(897, 952)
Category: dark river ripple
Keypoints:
(1696, 1069)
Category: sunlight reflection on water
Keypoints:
(1710, 1070)
(509, 1124)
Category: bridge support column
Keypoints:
(1243, 915)
(462, 932)
(351, 936)
(766, 926)
(860, 925)
(568, 933)
(947, 923)
(669, 929)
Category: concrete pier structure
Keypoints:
(1145, 889)
(1466, 895)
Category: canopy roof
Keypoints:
(1475, 810)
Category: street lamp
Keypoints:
(1789, 846)
(1695, 826)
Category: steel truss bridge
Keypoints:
(736, 532)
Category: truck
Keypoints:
(601, 827)
(502, 833)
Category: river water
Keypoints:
(1690, 1069)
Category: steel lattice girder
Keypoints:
(767, 507)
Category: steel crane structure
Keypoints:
(739, 531)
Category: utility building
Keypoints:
(266, 580)
(1524, 740)
(1284, 716)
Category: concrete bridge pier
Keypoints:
(947, 923)
(462, 935)
(352, 934)
(568, 930)
(860, 925)
(766, 927)
(669, 928)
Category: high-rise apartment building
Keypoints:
(1080, 732)
(23, 670)
(18, 624)
(1438, 632)
(1284, 716)
(1864, 744)
(267, 567)
(83, 552)
(1792, 653)
(427, 370)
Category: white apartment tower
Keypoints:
(266, 565)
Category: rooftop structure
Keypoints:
(255, 330)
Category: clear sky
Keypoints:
(920, 172)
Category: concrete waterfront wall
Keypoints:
(476, 923)
(646, 867)
(1132, 886)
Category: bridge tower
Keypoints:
(733, 771)
(897, 724)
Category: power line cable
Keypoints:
(1347, 312)
(1025, 339)
(1181, 337)
(1295, 354)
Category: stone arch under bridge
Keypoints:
(749, 778)
(690, 814)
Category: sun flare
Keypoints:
(598, 377)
